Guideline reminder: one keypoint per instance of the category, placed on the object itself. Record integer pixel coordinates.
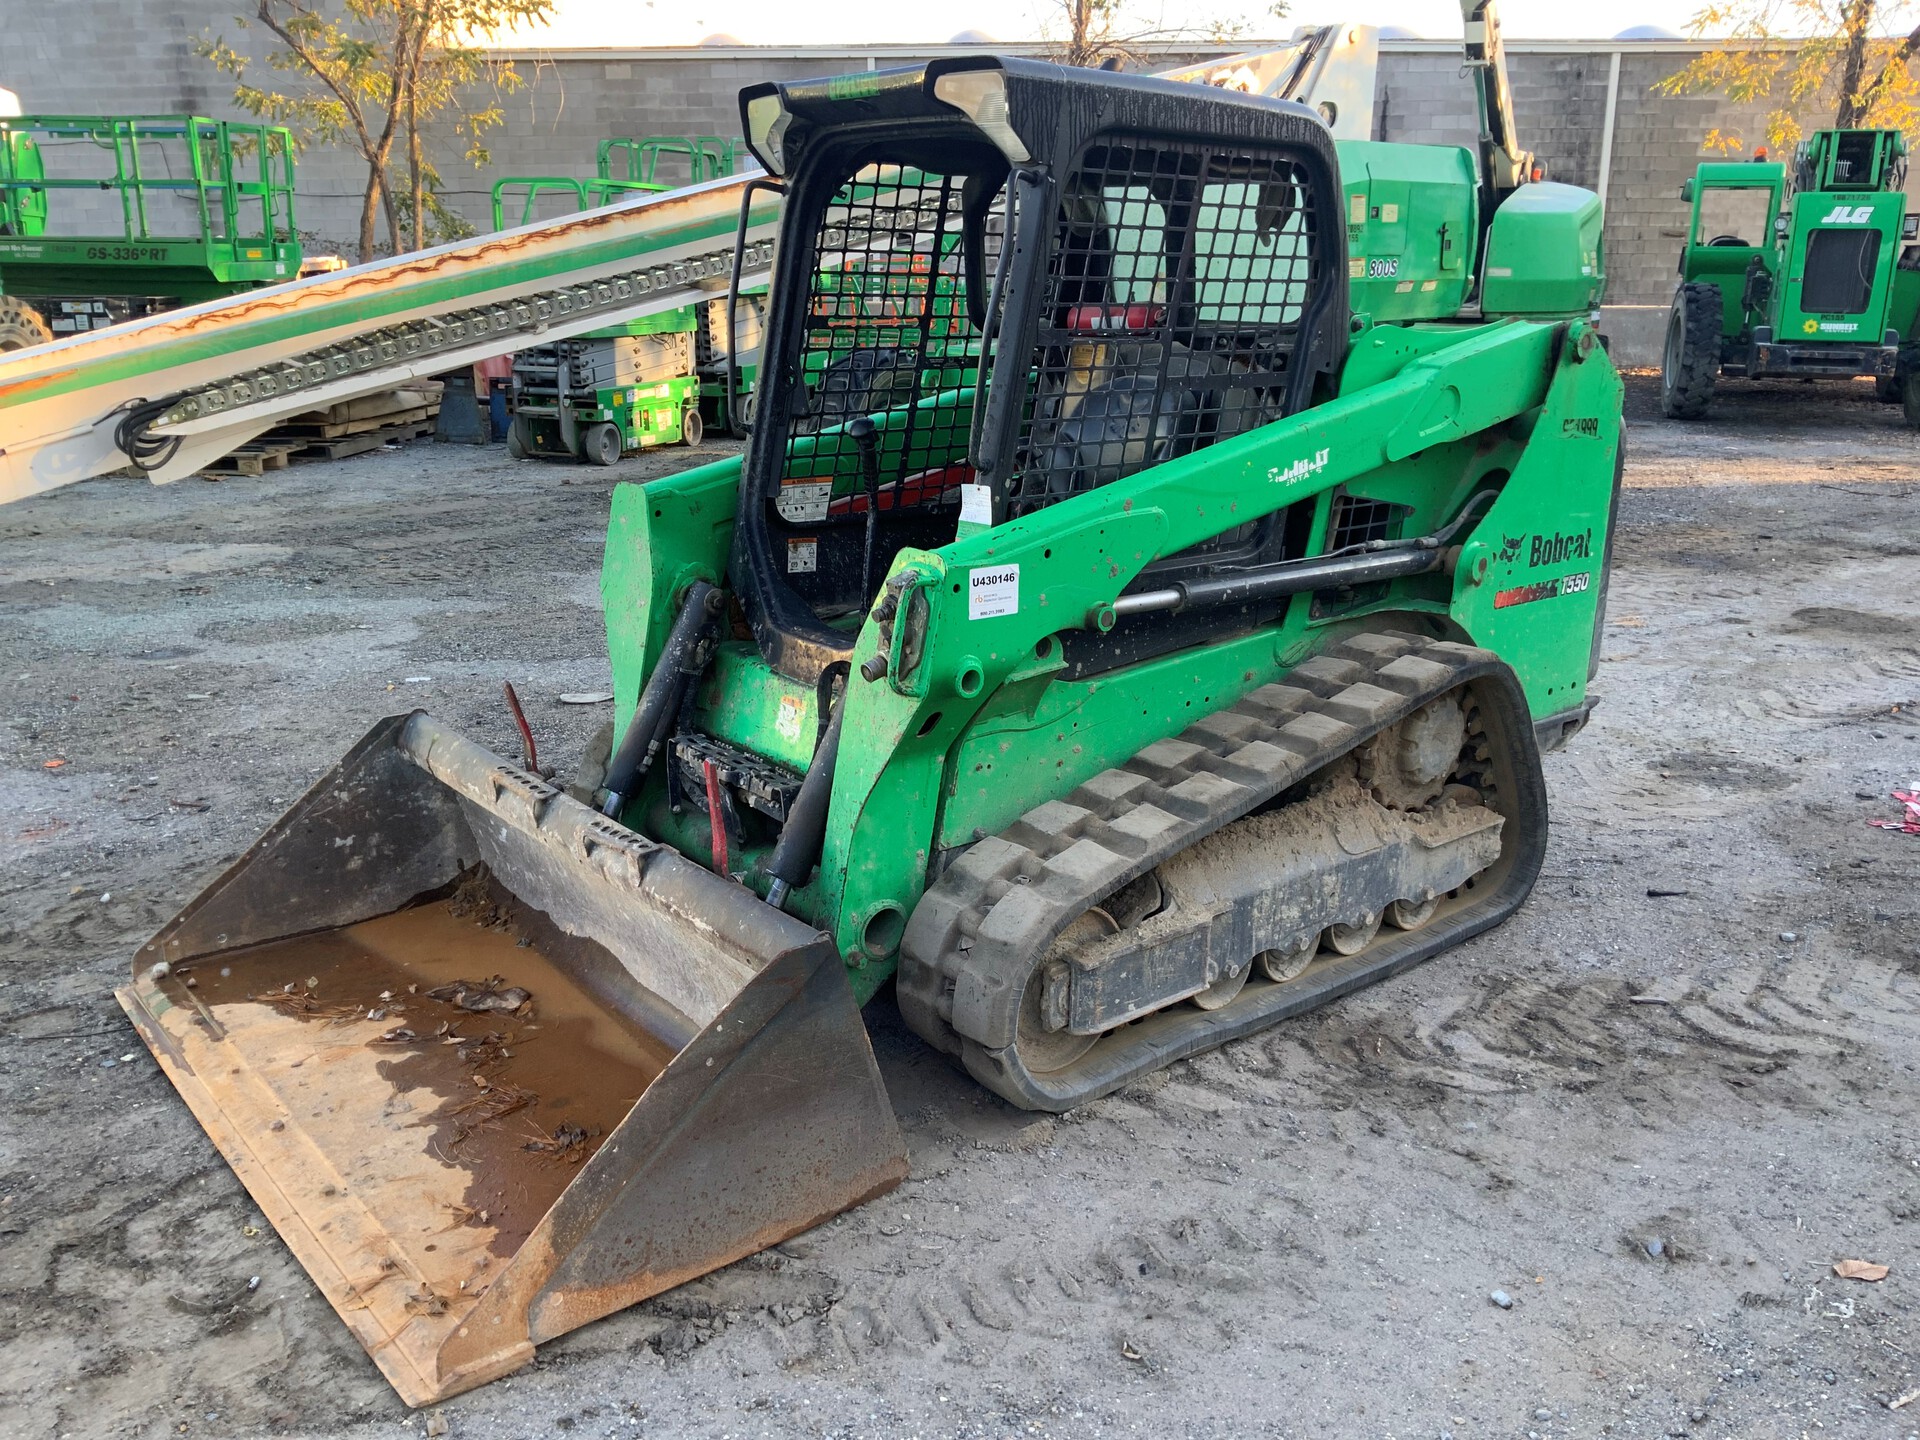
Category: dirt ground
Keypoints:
(1653, 1109)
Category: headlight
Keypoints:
(981, 95)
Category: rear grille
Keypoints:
(1839, 271)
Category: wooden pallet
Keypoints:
(255, 458)
(316, 451)
(307, 431)
(352, 427)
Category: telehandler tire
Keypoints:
(517, 446)
(21, 325)
(1910, 397)
(1887, 389)
(1692, 357)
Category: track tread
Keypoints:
(970, 942)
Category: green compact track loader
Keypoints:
(1167, 654)
(1798, 275)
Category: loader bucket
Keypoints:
(495, 1066)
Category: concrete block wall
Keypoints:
(135, 56)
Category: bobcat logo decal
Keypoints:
(1510, 547)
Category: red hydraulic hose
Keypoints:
(715, 818)
(526, 730)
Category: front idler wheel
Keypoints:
(1042, 1038)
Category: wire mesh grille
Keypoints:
(1356, 520)
(886, 329)
(1171, 311)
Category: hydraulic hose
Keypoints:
(798, 847)
(680, 660)
(146, 452)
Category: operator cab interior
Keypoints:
(1154, 306)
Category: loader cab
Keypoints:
(1010, 283)
(1830, 160)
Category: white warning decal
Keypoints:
(804, 502)
(976, 504)
(791, 717)
(803, 557)
(993, 592)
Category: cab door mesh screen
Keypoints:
(1171, 311)
(886, 328)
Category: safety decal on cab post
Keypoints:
(804, 501)
(993, 592)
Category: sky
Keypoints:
(844, 22)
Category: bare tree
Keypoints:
(1106, 32)
(373, 69)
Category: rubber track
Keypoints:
(1685, 397)
(975, 936)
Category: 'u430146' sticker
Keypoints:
(993, 592)
(1542, 590)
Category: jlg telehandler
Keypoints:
(1172, 656)
(1811, 279)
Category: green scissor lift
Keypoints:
(107, 218)
(625, 166)
(633, 386)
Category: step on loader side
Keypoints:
(495, 1066)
